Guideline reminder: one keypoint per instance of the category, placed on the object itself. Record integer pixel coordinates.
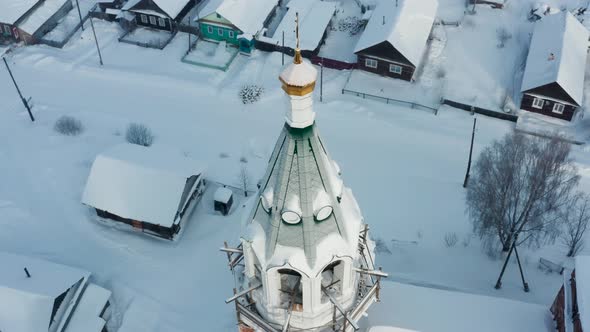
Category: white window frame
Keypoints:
(7, 30)
(230, 34)
(220, 32)
(558, 108)
(538, 103)
(144, 18)
(371, 63)
(153, 20)
(161, 22)
(396, 69)
(210, 29)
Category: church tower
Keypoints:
(308, 262)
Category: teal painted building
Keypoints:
(236, 22)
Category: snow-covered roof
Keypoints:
(246, 15)
(86, 317)
(583, 290)
(222, 195)
(299, 74)
(406, 26)
(13, 10)
(140, 183)
(558, 54)
(172, 8)
(26, 303)
(39, 16)
(314, 17)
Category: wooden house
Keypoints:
(235, 21)
(571, 307)
(38, 295)
(158, 14)
(29, 20)
(152, 190)
(553, 82)
(223, 200)
(396, 37)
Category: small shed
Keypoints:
(223, 200)
(396, 37)
(154, 190)
(49, 296)
(553, 82)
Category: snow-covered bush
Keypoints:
(68, 125)
(250, 94)
(139, 134)
(451, 239)
(243, 160)
(466, 241)
(352, 24)
(381, 247)
(503, 36)
(441, 73)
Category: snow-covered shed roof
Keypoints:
(13, 10)
(314, 17)
(87, 318)
(405, 24)
(246, 15)
(172, 8)
(583, 289)
(557, 54)
(40, 15)
(222, 195)
(26, 303)
(140, 183)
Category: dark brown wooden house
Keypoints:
(569, 308)
(553, 82)
(159, 14)
(396, 37)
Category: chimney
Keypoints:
(27, 272)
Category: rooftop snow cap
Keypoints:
(298, 82)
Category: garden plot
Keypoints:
(210, 54)
(148, 37)
(344, 33)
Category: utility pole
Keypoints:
(499, 281)
(465, 182)
(189, 36)
(80, 14)
(283, 50)
(96, 41)
(321, 80)
(19, 93)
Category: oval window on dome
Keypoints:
(291, 217)
(323, 213)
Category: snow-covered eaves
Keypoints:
(583, 290)
(314, 17)
(139, 183)
(41, 15)
(405, 24)
(26, 303)
(246, 15)
(557, 54)
(11, 10)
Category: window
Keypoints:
(395, 69)
(230, 34)
(220, 31)
(152, 20)
(291, 291)
(538, 103)
(144, 18)
(558, 108)
(7, 30)
(331, 279)
(210, 29)
(161, 22)
(371, 63)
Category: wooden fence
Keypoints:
(333, 64)
(392, 101)
(479, 110)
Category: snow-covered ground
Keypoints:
(212, 54)
(405, 168)
(70, 21)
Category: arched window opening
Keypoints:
(332, 280)
(291, 291)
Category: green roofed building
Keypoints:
(236, 22)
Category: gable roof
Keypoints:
(246, 15)
(406, 27)
(41, 15)
(140, 183)
(26, 303)
(13, 10)
(172, 8)
(557, 54)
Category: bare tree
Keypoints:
(518, 188)
(575, 217)
(503, 36)
(244, 178)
